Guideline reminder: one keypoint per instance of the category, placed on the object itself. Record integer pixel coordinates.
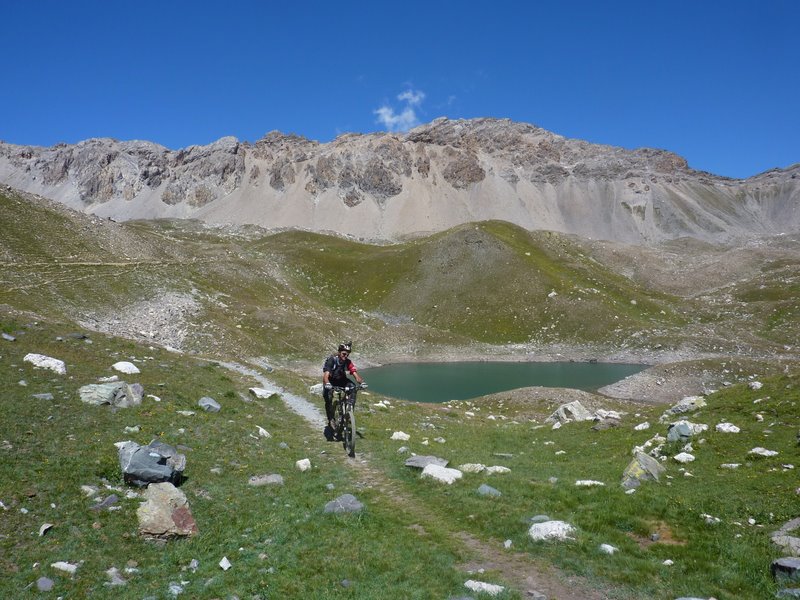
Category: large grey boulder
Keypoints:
(208, 404)
(116, 393)
(643, 467)
(572, 411)
(786, 569)
(157, 462)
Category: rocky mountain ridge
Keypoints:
(389, 186)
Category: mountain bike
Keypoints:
(344, 403)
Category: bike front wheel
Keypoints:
(349, 433)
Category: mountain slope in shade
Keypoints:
(390, 186)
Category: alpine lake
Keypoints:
(442, 382)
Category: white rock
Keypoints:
(45, 362)
(711, 520)
(65, 567)
(303, 464)
(472, 468)
(642, 426)
(225, 564)
(45, 528)
(588, 483)
(507, 544)
(683, 457)
(730, 465)
(763, 452)
(263, 432)
(442, 474)
(755, 385)
(487, 588)
(401, 436)
(608, 549)
(126, 367)
(551, 530)
(668, 563)
(557, 425)
(261, 393)
(439, 440)
(497, 469)
(727, 428)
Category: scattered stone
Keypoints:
(401, 436)
(116, 393)
(106, 503)
(45, 396)
(588, 483)
(40, 361)
(303, 465)
(730, 465)
(539, 519)
(261, 393)
(44, 584)
(608, 549)
(687, 404)
(9, 338)
(65, 567)
(497, 469)
(225, 564)
(261, 480)
(482, 587)
(263, 432)
(551, 530)
(441, 474)
(115, 577)
(762, 452)
(165, 513)
(155, 463)
(346, 503)
(642, 468)
(487, 490)
(727, 428)
(786, 542)
(420, 462)
(128, 368)
(683, 457)
(755, 385)
(209, 404)
(642, 426)
(471, 468)
(786, 569)
(45, 528)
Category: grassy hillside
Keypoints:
(416, 538)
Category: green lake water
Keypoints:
(440, 382)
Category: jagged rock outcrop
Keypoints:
(386, 186)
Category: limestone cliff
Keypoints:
(388, 186)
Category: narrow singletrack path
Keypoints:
(520, 571)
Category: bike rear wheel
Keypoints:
(349, 433)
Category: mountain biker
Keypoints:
(334, 373)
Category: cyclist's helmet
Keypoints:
(347, 346)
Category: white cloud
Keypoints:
(412, 97)
(407, 117)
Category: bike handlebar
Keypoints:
(357, 386)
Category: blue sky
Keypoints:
(717, 82)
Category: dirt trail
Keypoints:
(519, 571)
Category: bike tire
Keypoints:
(349, 433)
